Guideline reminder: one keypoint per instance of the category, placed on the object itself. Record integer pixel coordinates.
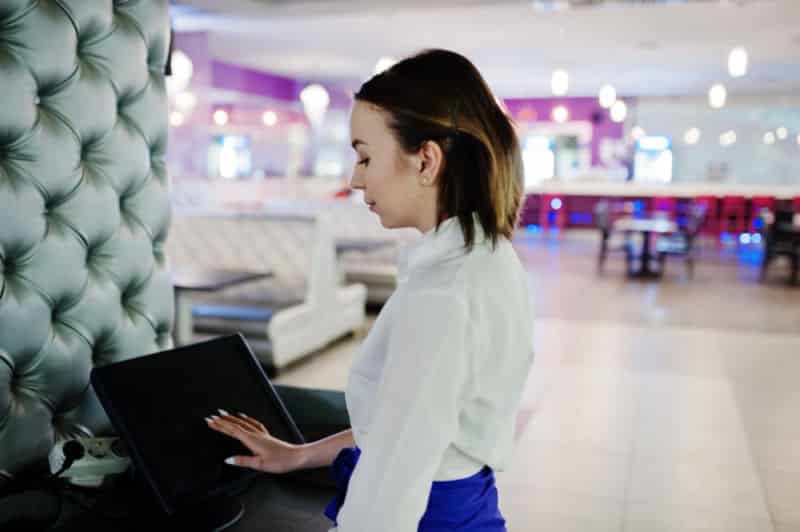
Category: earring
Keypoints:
(424, 180)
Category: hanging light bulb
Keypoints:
(607, 96)
(637, 132)
(737, 62)
(728, 138)
(692, 136)
(182, 71)
(559, 82)
(220, 117)
(782, 133)
(769, 137)
(270, 118)
(619, 111)
(315, 101)
(717, 95)
(560, 114)
(176, 119)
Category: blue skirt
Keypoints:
(464, 505)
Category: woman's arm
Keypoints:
(322, 452)
(273, 455)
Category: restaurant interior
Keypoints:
(659, 227)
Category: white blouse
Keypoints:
(434, 389)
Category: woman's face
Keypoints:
(392, 181)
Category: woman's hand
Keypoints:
(270, 454)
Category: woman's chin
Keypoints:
(386, 221)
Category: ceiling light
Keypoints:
(782, 133)
(176, 119)
(737, 62)
(619, 111)
(315, 103)
(270, 118)
(560, 82)
(692, 136)
(728, 138)
(220, 117)
(607, 96)
(637, 132)
(182, 71)
(769, 137)
(560, 114)
(717, 96)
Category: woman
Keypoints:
(433, 392)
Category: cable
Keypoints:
(73, 450)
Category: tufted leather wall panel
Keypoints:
(84, 209)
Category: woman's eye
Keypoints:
(364, 161)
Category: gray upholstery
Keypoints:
(84, 209)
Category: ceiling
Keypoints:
(642, 47)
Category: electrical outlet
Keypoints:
(102, 456)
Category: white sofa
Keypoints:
(310, 304)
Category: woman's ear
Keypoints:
(431, 161)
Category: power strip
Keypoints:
(102, 456)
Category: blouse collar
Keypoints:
(438, 245)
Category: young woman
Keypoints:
(433, 393)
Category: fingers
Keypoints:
(243, 421)
(257, 426)
(252, 462)
(234, 431)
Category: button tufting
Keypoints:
(31, 157)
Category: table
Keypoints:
(282, 503)
(193, 280)
(646, 226)
(360, 244)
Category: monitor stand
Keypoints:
(214, 515)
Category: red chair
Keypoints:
(668, 205)
(757, 203)
(796, 205)
(732, 214)
(711, 223)
(552, 211)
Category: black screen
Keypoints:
(157, 404)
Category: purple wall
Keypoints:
(236, 78)
(583, 109)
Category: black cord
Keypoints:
(73, 451)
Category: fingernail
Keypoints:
(230, 461)
(215, 418)
(242, 415)
(209, 420)
(223, 412)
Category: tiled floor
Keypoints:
(669, 405)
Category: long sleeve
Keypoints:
(415, 416)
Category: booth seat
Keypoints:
(374, 266)
(301, 308)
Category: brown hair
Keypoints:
(440, 96)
